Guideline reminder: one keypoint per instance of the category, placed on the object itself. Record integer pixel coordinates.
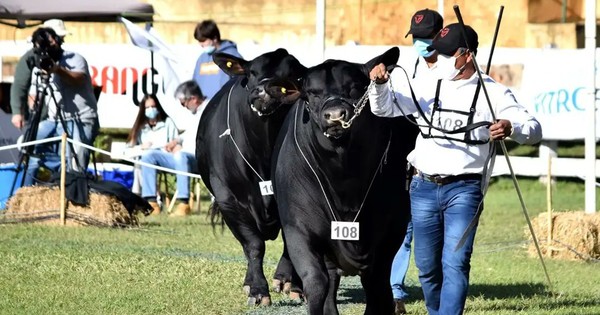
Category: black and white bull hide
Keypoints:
(327, 176)
(235, 140)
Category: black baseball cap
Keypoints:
(450, 39)
(425, 24)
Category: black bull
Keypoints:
(324, 173)
(236, 136)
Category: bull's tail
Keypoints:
(216, 218)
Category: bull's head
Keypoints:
(277, 69)
(332, 90)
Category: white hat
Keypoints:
(58, 26)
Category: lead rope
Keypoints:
(227, 132)
(383, 158)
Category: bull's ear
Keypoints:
(285, 90)
(388, 58)
(231, 65)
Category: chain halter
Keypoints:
(360, 105)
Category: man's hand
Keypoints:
(146, 145)
(500, 130)
(17, 121)
(379, 74)
(172, 145)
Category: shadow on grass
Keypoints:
(508, 291)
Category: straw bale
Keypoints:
(42, 204)
(575, 235)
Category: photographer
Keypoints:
(68, 96)
(20, 103)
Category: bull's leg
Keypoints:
(248, 277)
(282, 279)
(334, 284)
(376, 283)
(254, 250)
(309, 262)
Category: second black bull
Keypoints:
(341, 189)
(235, 139)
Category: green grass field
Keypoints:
(182, 266)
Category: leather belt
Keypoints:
(447, 179)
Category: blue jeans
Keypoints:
(440, 215)
(48, 154)
(180, 161)
(400, 266)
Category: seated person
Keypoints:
(152, 130)
(179, 153)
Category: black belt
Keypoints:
(447, 179)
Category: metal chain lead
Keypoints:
(360, 105)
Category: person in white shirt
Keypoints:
(451, 158)
(424, 25)
(179, 153)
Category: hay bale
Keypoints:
(575, 235)
(42, 204)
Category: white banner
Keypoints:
(549, 82)
(557, 92)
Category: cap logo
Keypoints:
(418, 18)
(444, 32)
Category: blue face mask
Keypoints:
(421, 45)
(209, 49)
(151, 112)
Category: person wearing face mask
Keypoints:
(207, 74)
(152, 130)
(179, 153)
(452, 158)
(69, 96)
(424, 25)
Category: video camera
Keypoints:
(45, 54)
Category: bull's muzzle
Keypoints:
(335, 115)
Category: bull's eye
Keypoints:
(283, 90)
(229, 64)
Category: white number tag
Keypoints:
(346, 231)
(266, 188)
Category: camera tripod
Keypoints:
(43, 88)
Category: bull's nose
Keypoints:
(335, 114)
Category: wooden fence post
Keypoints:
(63, 175)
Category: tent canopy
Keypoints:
(21, 11)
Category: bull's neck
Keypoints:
(260, 130)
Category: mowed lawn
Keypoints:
(182, 266)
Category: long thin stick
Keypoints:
(549, 205)
(63, 180)
(504, 150)
(489, 63)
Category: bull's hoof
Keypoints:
(260, 300)
(265, 301)
(295, 295)
(276, 285)
(246, 289)
(287, 288)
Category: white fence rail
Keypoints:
(538, 166)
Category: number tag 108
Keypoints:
(345, 231)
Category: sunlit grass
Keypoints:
(183, 266)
